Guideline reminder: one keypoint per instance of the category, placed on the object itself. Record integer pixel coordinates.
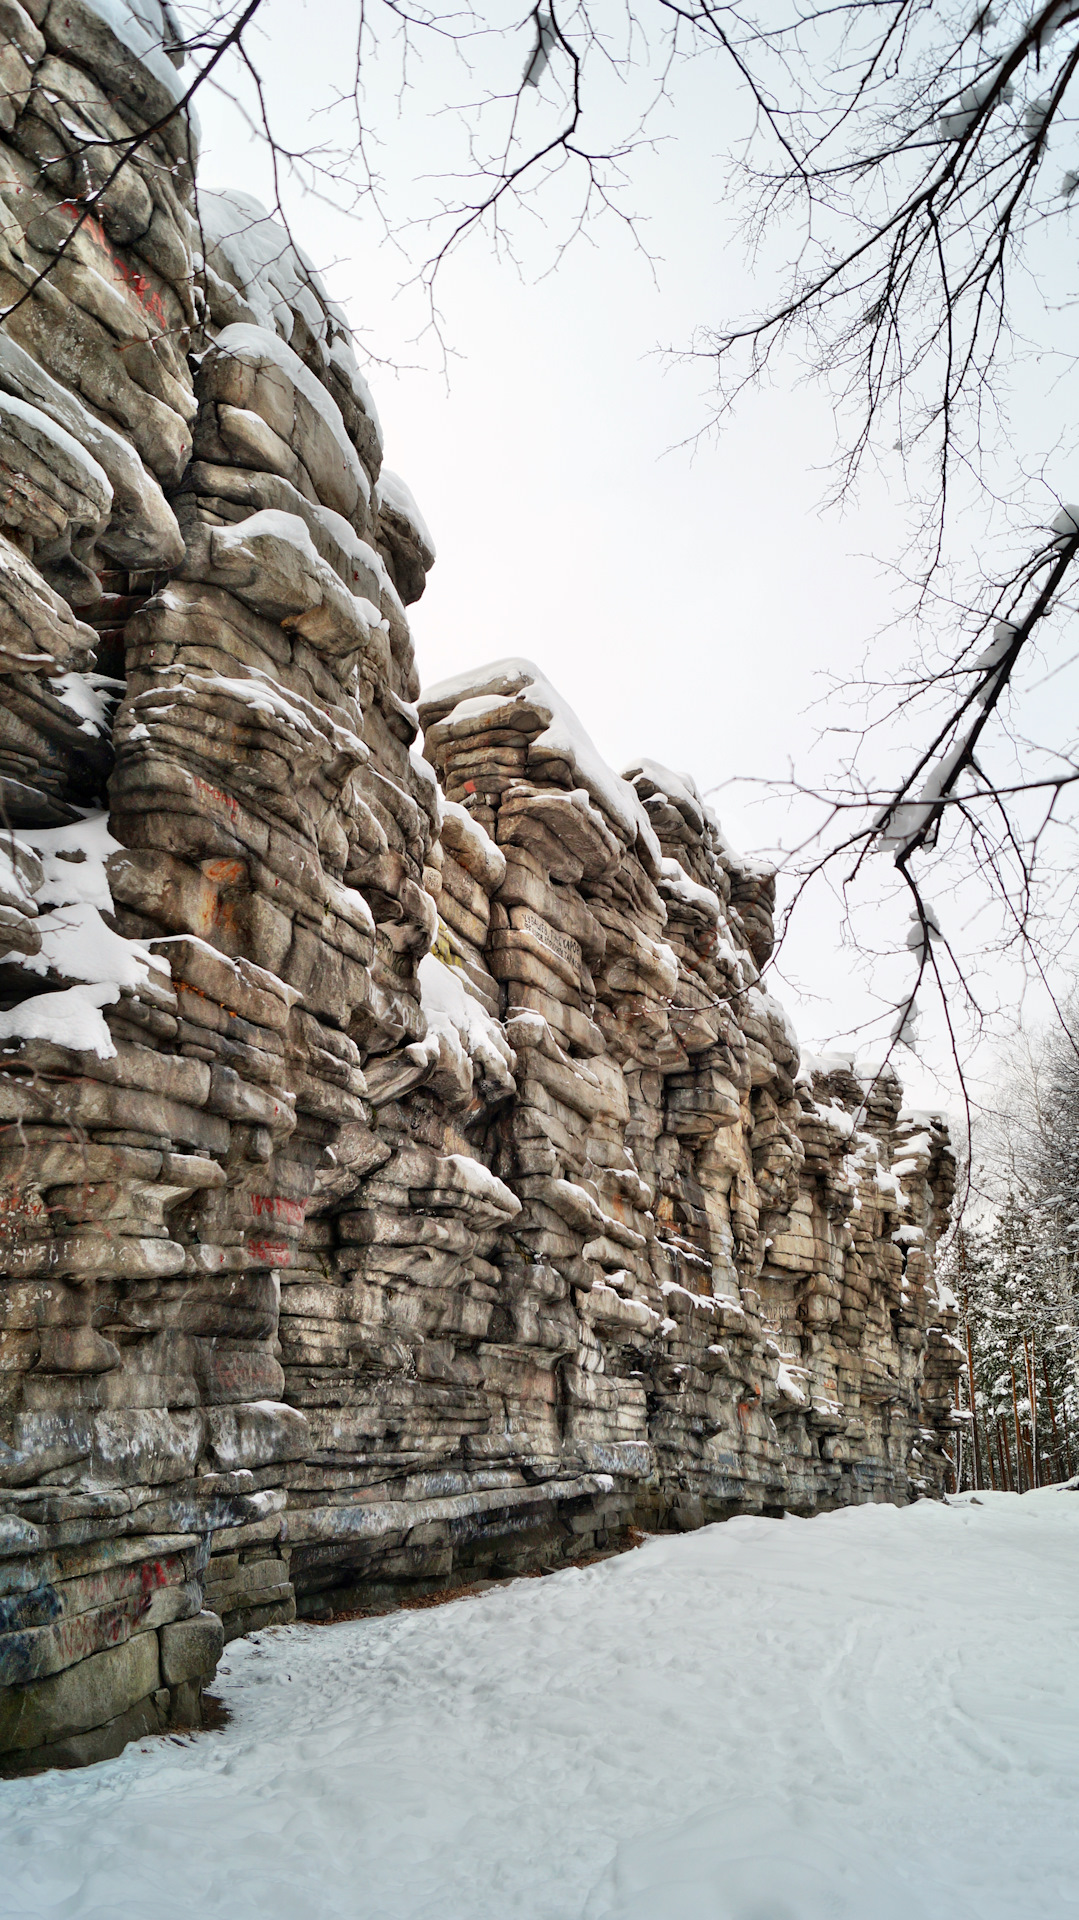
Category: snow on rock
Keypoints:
(679, 788)
(90, 696)
(243, 969)
(142, 528)
(788, 1380)
(676, 882)
(766, 1007)
(468, 838)
(74, 862)
(65, 457)
(667, 789)
(146, 29)
(20, 876)
(262, 349)
(520, 681)
(71, 1018)
(279, 284)
(271, 562)
(76, 943)
(425, 780)
(400, 500)
(458, 1016)
(265, 697)
(835, 1115)
(888, 1183)
(471, 1177)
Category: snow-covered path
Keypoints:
(873, 1715)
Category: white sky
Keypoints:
(686, 601)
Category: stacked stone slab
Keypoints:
(723, 1280)
(273, 811)
(141, 1395)
(116, 1451)
(404, 1173)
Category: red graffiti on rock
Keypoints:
(277, 1208)
(131, 276)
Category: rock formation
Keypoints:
(403, 1171)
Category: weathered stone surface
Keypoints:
(403, 1169)
(84, 1696)
(191, 1649)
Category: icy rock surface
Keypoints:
(404, 1169)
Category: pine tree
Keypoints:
(1017, 1277)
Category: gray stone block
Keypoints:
(272, 1613)
(84, 1696)
(191, 1649)
(100, 1743)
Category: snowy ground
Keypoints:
(869, 1716)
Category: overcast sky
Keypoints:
(687, 599)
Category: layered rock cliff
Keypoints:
(403, 1169)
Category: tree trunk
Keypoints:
(1019, 1461)
(1002, 1449)
(1028, 1351)
(970, 1369)
(1058, 1457)
(1067, 1434)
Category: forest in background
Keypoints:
(1013, 1262)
